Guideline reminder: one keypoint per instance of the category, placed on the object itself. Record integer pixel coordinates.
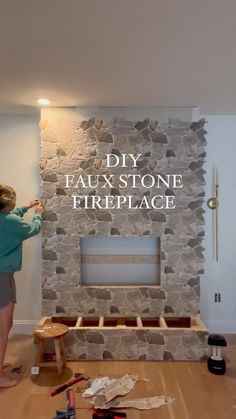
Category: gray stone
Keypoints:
(167, 356)
(169, 231)
(129, 341)
(49, 177)
(199, 213)
(159, 137)
(197, 125)
(158, 216)
(105, 137)
(190, 340)
(146, 134)
(194, 281)
(103, 216)
(169, 309)
(61, 152)
(168, 270)
(114, 191)
(60, 309)
(85, 164)
(91, 311)
(60, 270)
(102, 294)
(49, 294)
(141, 335)
(60, 230)
(49, 254)
(157, 294)
(155, 338)
(114, 309)
(146, 310)
(60, 191)
(107, 355)
(95, 337)
(200, 175)
(169, 192)
(144, 291)
(202, 155)
(153, 125)
(195, 165)
(194, 242)
(116, 152)
(49, 216)
(87, 124)
(115, 232)
(195, 204)
(142, 163)
(170, 153)
(142, 124)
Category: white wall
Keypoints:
(19, 167)
(221, 276)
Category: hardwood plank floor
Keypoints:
(198, 394)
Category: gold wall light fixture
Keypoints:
(213, 204)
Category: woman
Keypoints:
(13, 231)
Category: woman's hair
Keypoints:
(7, 195)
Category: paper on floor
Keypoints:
(115, 387)
(141, 404)
(97, 385)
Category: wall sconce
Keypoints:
(213, 204)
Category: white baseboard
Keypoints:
(221, 326)
(25, 327)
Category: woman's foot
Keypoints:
(6, 381)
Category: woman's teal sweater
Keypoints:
(13, 231)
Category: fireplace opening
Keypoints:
(114, 261)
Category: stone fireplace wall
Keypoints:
(73, 144)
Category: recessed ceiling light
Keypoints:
(43, 102)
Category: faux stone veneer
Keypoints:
(73, 145)
(136, 343)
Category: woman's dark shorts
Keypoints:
(7, 289)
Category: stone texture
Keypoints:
(49, 294)
(159, 137)
(82, 146)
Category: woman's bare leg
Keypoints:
(6, 320)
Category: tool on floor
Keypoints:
(79, 377)
(216, 363)
(69, 413)
(107, 414)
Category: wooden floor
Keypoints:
(198, 394)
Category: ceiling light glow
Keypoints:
(43, 102)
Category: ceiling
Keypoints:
(118, 53)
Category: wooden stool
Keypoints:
(55, 331)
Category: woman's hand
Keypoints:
(32, 203)
(40, 208)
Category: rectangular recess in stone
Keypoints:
(178, 322)
(90, 322)
(150, 322)
(130, 321)
(68, 321)
(110, 322)
(120, 261)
